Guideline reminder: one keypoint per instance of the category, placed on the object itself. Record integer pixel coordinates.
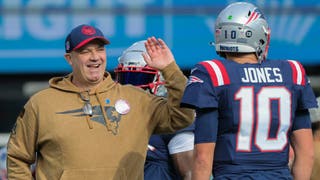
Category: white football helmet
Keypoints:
(242, 28)
(132, 69)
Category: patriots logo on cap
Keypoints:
(88, 30)
(194, 79)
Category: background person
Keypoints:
(169, 156)
(86, 126)
(315, 119)
(249, 109)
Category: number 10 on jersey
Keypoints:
(257, 108)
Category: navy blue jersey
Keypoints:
(257, 106)
(158, 148)
(159, 164)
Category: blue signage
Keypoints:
(32, 32)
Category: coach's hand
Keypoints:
(159, 55)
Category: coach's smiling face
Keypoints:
(88, 64)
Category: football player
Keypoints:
(169, 156)
(249, 109)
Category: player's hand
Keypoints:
(159, 55)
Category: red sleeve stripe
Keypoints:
(217, 72)
(298, 73)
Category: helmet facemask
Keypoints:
(132, 69)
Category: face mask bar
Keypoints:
(145, 69)
(143, 77)
(135, 75)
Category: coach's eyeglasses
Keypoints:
(87, 107)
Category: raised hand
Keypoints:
(158, 54)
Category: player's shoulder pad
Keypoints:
(298, 72)
(217, 72)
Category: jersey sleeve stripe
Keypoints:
(223, 71)
(303, 74)
(294, 72)
(298, 73)
(210, 70)
(217, 72)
